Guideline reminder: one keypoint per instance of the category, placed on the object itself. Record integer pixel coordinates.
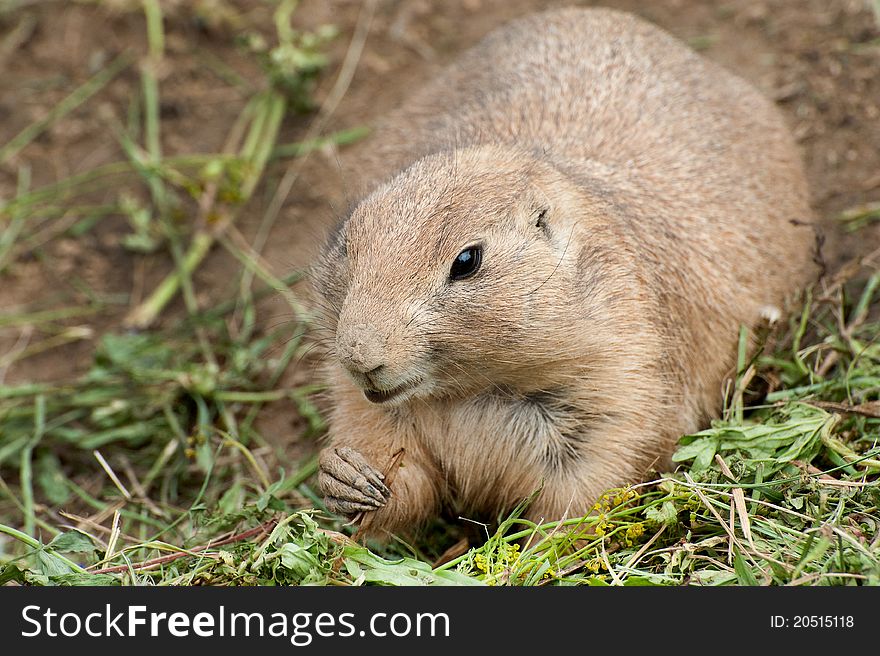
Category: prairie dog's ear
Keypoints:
(534, 209)
(540, 218)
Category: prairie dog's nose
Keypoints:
(360, 348)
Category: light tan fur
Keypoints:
(636, 204)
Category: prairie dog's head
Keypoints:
(463, 273)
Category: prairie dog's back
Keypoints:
(590, 84)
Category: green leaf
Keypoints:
(701, 451)
(712, 577)
(665, 515)
(232, 499)
(813, 550)
(744, 575)
(402, 572)
(72, 542)
(644, 581)
(50, 564)
(786, 433)
(271, 502)
(81, 579)
(11, 572)
(299, 559)
(50, 478)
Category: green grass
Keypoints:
(151, 468)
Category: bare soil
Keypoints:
(819, 59)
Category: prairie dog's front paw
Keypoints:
(350, 483)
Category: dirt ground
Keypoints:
(819, 59)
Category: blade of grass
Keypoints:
(301, 148)
(25, 472)
(255, 153)
(96, 178)
(76, 98)
(12, 231)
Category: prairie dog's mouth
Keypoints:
(394, 394)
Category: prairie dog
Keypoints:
(543, 285)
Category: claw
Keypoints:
(333, 487)
(349, 483)
(360, 464)
(345, 507)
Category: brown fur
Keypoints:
(636, 204)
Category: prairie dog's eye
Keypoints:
(466, 263)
